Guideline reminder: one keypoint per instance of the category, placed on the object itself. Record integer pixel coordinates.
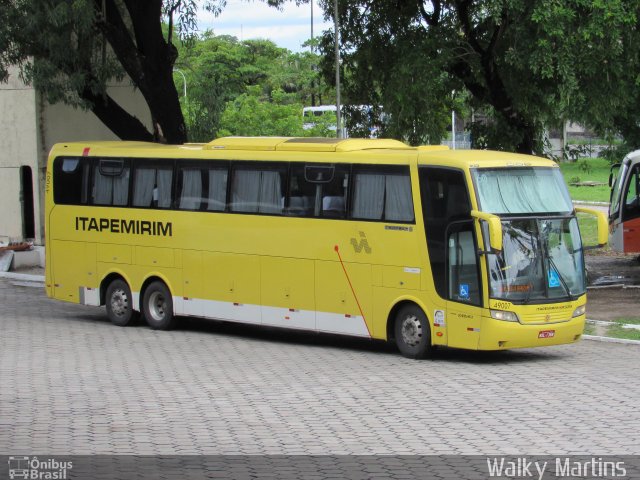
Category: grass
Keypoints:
(628, 320)
(589, 329)
(598, 172)
(617, 331)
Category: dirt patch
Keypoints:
(613, 302)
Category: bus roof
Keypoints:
(244, 146)
(481, 159)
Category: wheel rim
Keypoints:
(119, 302)
(411, 330)
(157, 306)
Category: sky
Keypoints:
(250, 19)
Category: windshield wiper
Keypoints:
(534, 266)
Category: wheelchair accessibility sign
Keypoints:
(554, 279)
(463, 290)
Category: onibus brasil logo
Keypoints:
(34, 469)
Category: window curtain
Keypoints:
(270, 193)
(368, 201)
(399, 205)
(191, 195)
(143, 187)
(245, 191)
(121, 188)
(217, 190)
(520, 192)
(163, 183)
(102, 188)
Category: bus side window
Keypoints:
(190, 181)
(110, 182)
(152, 186)
(258, 188)
(463, 273)
(382, 193)
(70, 181)
(318, 190)
(217, 189)
(302, 193)
(632, 195)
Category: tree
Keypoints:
(221, 68)
(515, 57)
(71, 49)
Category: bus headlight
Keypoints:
(581, 310)
(505, 316)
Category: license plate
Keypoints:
(546, 333)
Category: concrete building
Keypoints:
(29, 126)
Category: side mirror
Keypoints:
(603, 226)
(495, 228)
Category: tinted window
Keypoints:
(70, 179)
(382, 193)
(190, 188)
(444, 199)
(258, 188)
(318, 190)
(110, 182)
(152, 186)
(632, 196)
(217, 188)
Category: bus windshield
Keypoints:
(617, 187)
(541, 260)
(524, 190)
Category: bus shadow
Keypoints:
(327, 340)
(283, 335)
(297, 337)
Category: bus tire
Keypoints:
(119, 304)
(412, 332)
(157, 305)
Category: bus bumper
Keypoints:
(501, 335)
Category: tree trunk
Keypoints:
(115, 118)
(148, 59)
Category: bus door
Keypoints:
(452, 248)
(464, 292)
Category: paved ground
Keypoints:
(70, 383)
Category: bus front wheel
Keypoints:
(157, 305)
(412, 332)
(118, 303)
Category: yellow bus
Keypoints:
(423, 246)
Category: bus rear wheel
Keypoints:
(412, 332)
(157, 305)
(118, 303)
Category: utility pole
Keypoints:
(313, 79)
(337, 53)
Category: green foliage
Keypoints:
(615, 153)
(223, 73)
(526, 63)
(250, 114)
(70, 50)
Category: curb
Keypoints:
(596, 338)
(24, 277)
(600, 204)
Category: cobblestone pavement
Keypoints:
(71, 383)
